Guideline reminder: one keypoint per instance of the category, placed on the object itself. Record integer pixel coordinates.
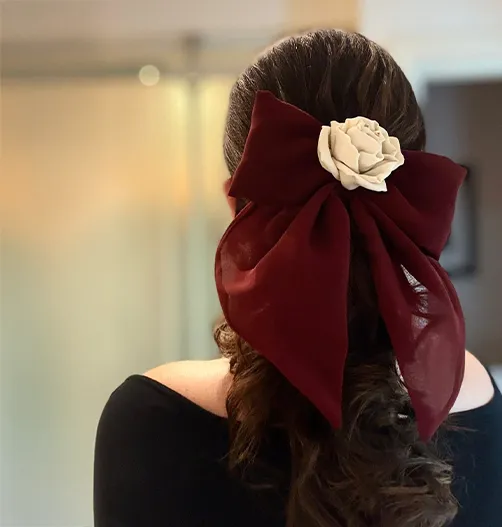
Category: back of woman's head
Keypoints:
(374, 471)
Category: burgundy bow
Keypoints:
(282, 267)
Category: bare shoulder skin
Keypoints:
(205, 383)
(477, 389)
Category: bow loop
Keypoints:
(421, 199)
(285, 172)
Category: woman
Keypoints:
(343, 339)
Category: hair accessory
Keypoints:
(282, 267)
(359, 153)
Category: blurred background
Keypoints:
(111, 203)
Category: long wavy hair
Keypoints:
(374, 471)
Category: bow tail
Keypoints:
(422, 315)
(284, 289)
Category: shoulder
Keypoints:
(477, 388)
(150, 443)
(165, 409)
(183, 390)
(137, 410)
(172, 399)
(204, 383)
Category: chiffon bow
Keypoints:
(282, 267)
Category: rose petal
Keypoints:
(349, 123)
(398, 157)
(383, 133)
(368, 161)
(346, 176)
(370, 184)
(388, 149)
(391, 146)
(377, 136)
(363, 142)
(324, 151)
(357, 121)
(343, 150)
(383, 169)
(340, 126)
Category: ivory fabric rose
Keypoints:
(359, 153)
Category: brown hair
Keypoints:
(374, 471)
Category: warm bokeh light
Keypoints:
(149, 75)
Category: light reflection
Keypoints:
(149, 75)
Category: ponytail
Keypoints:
(374, 471)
